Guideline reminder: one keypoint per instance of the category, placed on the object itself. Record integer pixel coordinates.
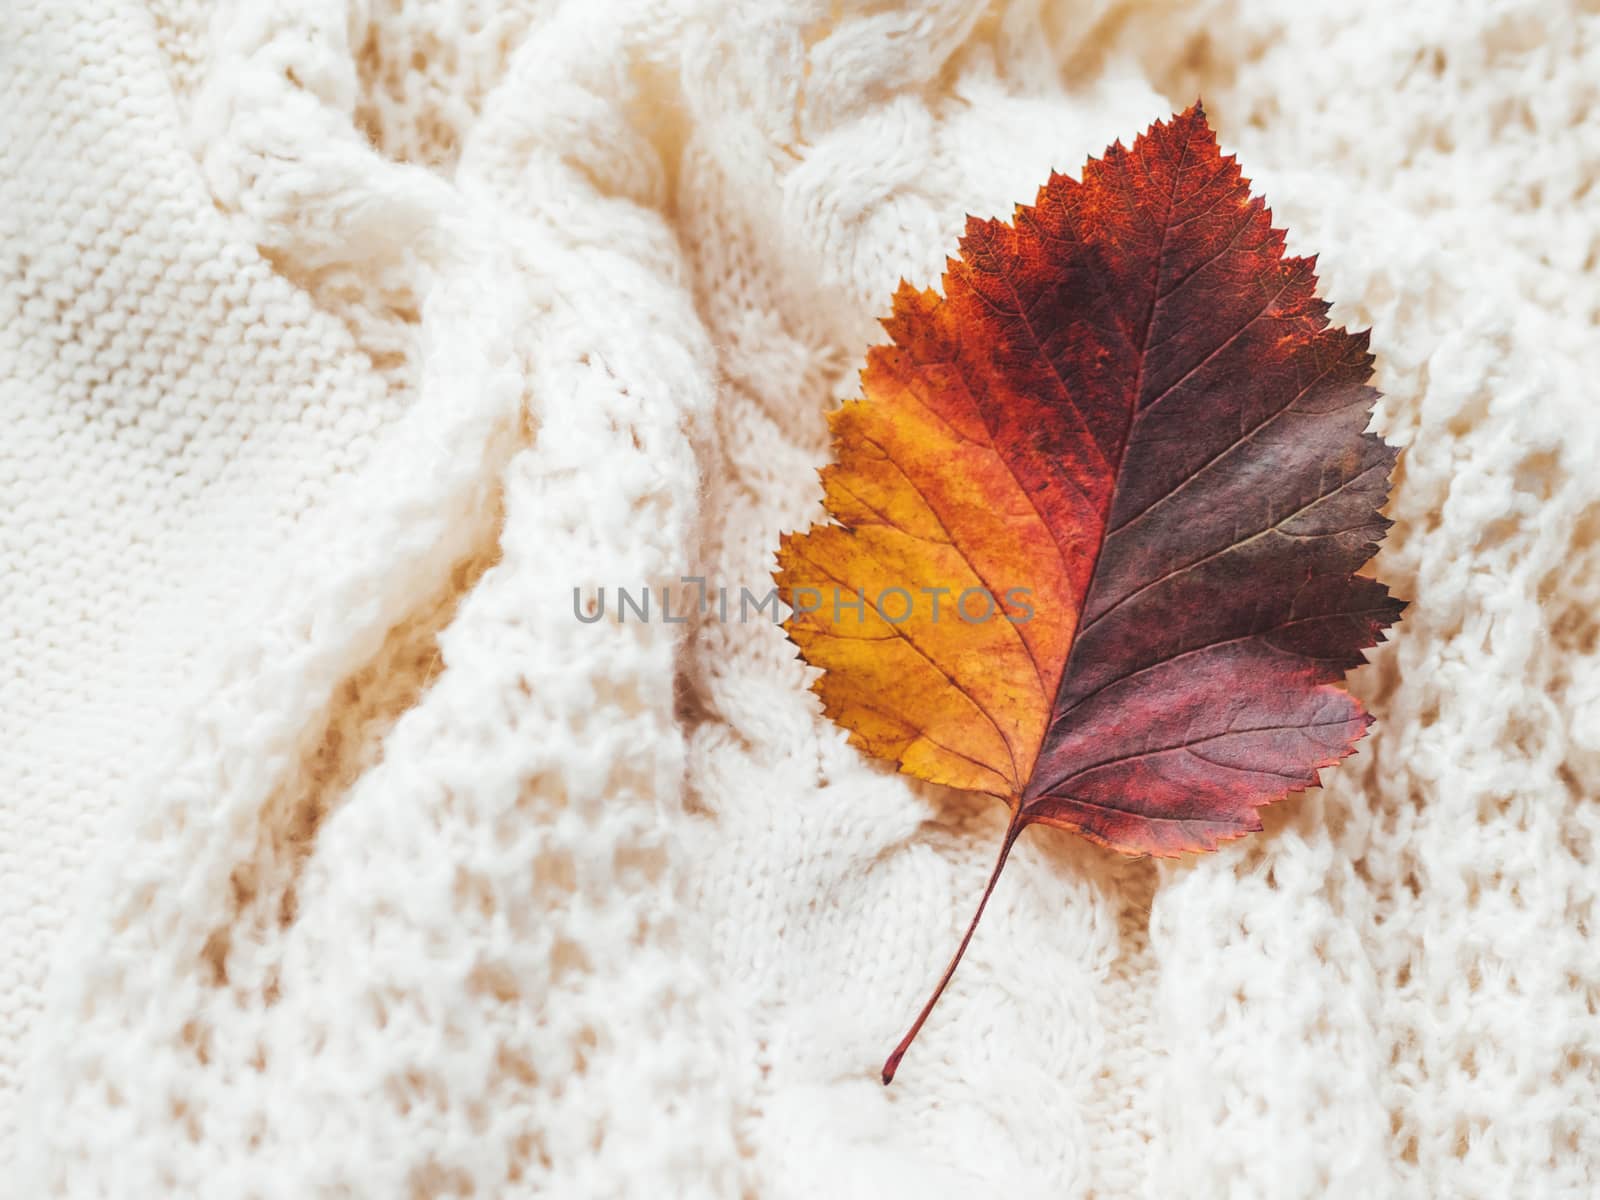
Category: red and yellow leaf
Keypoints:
(1127, 433)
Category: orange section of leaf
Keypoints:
(944, 612)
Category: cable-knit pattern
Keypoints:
(339, 342)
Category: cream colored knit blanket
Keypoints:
(340, 341)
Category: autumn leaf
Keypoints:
(1097, 516)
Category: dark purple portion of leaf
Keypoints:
(1223, 604)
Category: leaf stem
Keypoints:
(892, 1064)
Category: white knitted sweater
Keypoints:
(340, 341)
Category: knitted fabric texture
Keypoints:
(340, 342)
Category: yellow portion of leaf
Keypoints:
(952, 696)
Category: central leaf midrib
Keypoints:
(1122, 459)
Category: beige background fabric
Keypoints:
(340, 342)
